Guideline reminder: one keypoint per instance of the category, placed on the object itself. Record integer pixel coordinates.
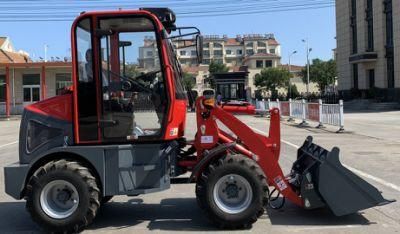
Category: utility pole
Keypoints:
(308, 50)
(290, 72)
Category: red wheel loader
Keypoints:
(119, 130)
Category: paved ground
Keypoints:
(371, 146)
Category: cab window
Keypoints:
(134, 101)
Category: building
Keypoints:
(255, 51)
(23, 82)
(232, 51)
(368, 48)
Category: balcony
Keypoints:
(364, 57)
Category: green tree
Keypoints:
(213, 68)
(271, 79)
(322, 73)
(189, 81)
(294, 92)
(131, 70)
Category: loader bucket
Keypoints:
(323, 180)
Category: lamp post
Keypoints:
(290, 70)
(308, 50)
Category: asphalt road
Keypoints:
(375, 156)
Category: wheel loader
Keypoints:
(120, 130)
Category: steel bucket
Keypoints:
(323, 181)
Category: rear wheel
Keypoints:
(63, 196)
(233, 192)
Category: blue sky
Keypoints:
(289, 27)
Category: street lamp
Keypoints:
(308, 50)
(290, 70)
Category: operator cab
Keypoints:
(127, 77)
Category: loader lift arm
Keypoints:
(264, 150)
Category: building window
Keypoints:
(353, 25)
(261, 44)
(218, 61)
(239, 52)
(206, 44)
(218, 52)
(268, 63)
(2, 88)
(31, 87)
(370, 26)
(371, 78)
(149, 53)
(250, 44)
(355, 76)
(259, 63)
(217, 45)
(62, 80)
(262, 51)
(228, 51)
(249, 52)
(272, 51)
(193, 53)
(390, 72)
(389, 42)
(182, 52)
(206, 61)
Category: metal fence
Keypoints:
(324, 114)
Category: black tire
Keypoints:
(247, 169)
(86, 186)
(106, 199)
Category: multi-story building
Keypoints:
(233, 51)
(254, 51)
(368, 47)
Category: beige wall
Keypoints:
(16, 85)
(396, 29)
(344, 44)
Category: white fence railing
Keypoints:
(329, 114)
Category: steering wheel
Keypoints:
(150, 76)
(129, 82)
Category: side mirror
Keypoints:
(199, 48)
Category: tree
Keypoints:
(322, 73)
(131, 70)
(213, 68)
(216, 67)
(271, 79)
(294, 92)
(189, 81)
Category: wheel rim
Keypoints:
(59, 199)
(232, 194)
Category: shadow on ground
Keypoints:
(15, 219)
(180, 214)
(291, 214)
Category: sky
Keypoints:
(289, 27)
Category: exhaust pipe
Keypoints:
(323, 181)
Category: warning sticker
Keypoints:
(280, 182)
(173, 132)
(206, 139)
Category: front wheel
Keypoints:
(63, 196)
(233, 191)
